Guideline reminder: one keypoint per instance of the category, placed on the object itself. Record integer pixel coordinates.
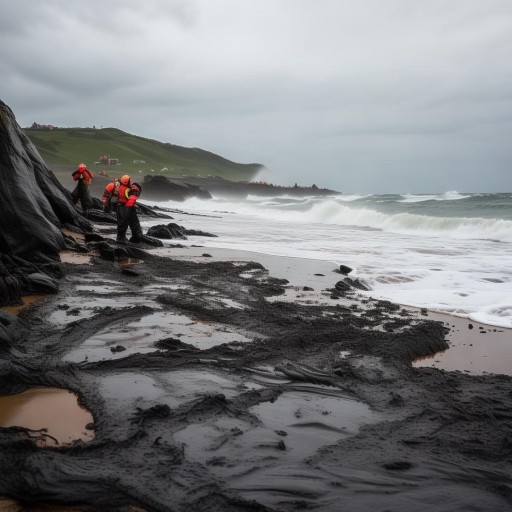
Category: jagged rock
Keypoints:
(348, 284)
(34, 204)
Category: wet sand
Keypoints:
(218, 385)
(474, 347)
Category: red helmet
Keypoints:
(81, 167)
(125, 180)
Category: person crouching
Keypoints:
(110, 196)
(126, 213)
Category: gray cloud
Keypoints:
(363, 95)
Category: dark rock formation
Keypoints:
(344, 270)
(349, 285)
(161, 188)
(34, 204)
(240, 189)
(34, 208)
(175, 231)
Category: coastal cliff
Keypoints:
(34, 204)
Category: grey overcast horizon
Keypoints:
(364, 96)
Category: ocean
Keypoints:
(448, 252)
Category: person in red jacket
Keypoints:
(81, 193)
(126, 213)
(110, 196)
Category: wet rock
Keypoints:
(121, 253)
(41, 283)
(307, 289)
(117, 348)
(174, 344)
(35, 204)
(344, 270)
(93, 237)
(163, 188)
(106, 251)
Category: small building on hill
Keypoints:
(108, 160)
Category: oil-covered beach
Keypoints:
(183, 375)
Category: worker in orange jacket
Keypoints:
(81, 193)
(110, 196)
(126, 213)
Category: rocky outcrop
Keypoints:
(34, 204)
(175, 231)
(34, 207)
(161, 188)
(239, 189)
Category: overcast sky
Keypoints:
(359, 95)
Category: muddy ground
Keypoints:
(208, 393)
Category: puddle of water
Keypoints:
(54, 409)
(77, 258)
(482, 349)
(140, 337)
(292, 428)
(73, 308)
(27, 301)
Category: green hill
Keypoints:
(66, 147)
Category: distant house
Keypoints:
(107, 160)
(139, 161)
(47, 127)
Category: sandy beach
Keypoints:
(228, 380)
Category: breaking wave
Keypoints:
(331, 211)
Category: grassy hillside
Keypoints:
(66, 147)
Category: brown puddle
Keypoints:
(54, 409)
(27, 301)
(77, 258)
(477, 350)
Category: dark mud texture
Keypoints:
(184, 426)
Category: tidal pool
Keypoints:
(53, 414)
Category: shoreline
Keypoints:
(301, 272)
(198, 363)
